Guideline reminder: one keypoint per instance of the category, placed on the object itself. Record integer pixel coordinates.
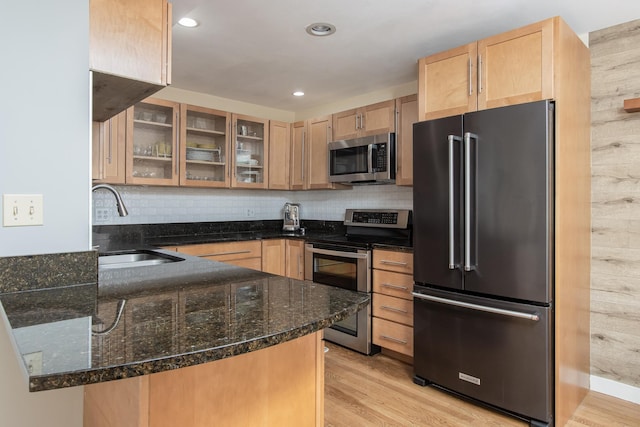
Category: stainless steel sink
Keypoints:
(136, 258)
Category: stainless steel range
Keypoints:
(345, 261)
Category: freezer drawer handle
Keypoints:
(452, 204)
(388, 338)
(503, 312)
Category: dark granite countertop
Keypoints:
(141, 320)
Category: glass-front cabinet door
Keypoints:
(152, 142)
(203, 155)
(250, 151)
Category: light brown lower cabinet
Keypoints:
(273, 256)
(392, 302)
(282, 385)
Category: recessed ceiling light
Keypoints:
(188, 22)
(321, 29)
(298, 93)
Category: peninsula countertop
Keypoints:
(143, 320)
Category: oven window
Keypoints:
(335, 271)
(347, 326)
(351, 160)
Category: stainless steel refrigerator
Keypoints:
(483, 247)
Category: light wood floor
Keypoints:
(379, 391)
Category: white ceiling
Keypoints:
(257, 51)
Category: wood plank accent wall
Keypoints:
(615, 175)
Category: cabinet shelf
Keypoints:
(205, 131)
(204, 162)
(154, 159)
(249, 166)
(255, 138)
(152, 123)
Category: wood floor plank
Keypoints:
(379, 391)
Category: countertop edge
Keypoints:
(94, 376)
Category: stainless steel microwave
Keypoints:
(366, 160)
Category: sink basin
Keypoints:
(137, 258)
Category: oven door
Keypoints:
(347, 268)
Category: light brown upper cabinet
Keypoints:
(152, 143)
(297, 167)
(407, 111)
(250, 152)
(373, 119)
(204, 147)
(279, 155)
(129, 52)
(505, 69)
(108, 151)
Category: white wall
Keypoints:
(44, 149)
(157, 205)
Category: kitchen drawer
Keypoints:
(393, 336)
(398, 261)
(393, 284)
(252, 263)
(392, 308)
(225, 251)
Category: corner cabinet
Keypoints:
(297, 160)
(373, 119)
(506, 69)
(204, 149)
(250, 152)
(129, 52)
(152, 143)
(317, 161)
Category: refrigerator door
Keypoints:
(437, 180)
(493, 351)
(509, 217)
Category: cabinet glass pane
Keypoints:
(206, 148)
(250, 154)
(152, 141)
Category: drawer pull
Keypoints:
(397, 310)
(228, 253)
(400, 288)
(386, 261)
(396, 340)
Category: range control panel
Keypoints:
(386, 218)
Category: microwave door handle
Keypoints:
(370, 158)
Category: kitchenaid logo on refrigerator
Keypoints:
(468, 378)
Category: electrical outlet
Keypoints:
(102, 214)
(22, 210)
(250, 213)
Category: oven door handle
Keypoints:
(338, 253)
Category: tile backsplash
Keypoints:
(156, 205)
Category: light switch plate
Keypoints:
(22, 210)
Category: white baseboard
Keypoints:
(615, 389)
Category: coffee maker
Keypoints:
(291, 217)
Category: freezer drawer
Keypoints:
(496, 352)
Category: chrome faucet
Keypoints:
(122, 210)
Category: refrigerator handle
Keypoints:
(452, 205)
(501, 311)
(469, 263)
